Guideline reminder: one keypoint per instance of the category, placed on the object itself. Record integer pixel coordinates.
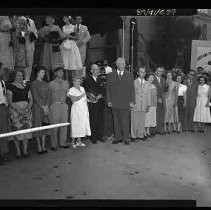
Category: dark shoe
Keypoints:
(94, 142)
(133, 140)
(115, 142)
(25, 155)
(5, 158)
(45, 151)
(142, 139)
(18, 157)
(53, 149)
(40, 152)
(192, 131)
(127, 143)
(65, 147)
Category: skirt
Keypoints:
(180, 103)
(150, 120)
(20, 122)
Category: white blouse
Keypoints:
(182, 90)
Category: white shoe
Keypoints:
(80, 144)
(74, 146)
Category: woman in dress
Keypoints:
(170, 104)
(51, 54)
(202, 111)
(40, 108)
(18, 38)
(181, 102)
(6, 50)
(20, 103)
(151, 121)
(70, 52)
(80, 125)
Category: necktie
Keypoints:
(141, 84)
(120, 74)
(77, 28)
(3, 88)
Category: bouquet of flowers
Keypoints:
(93, 97)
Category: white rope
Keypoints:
(14, 133)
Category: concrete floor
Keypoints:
(174, 166)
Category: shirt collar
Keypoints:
(142, 80)
(95, 78)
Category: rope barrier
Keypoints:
(14, 133)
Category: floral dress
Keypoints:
(6, 51)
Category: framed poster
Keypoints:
(201, 55)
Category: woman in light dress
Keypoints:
(80, 125)
(170, 104)
(70, 53)
(6, 51)
(151, 121)
(202, 110)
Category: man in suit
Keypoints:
(83, 38)
(120, 95)
(191, 96)
(160, 84)
(4, 148)
(141, 107)
(94, 86)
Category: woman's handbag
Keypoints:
(56, 47)
(67, 44)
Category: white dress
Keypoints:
(202, 113)
(71, 57)
(80, 126)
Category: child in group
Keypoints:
(80, 125)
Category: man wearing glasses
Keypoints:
(191, 96)
(3, 119)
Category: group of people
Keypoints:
(64, 47)
(134, 107)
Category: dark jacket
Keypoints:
(161, 88)
(92, 86)
(120, 92)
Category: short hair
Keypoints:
(76, 77)
(182, 77)
(39, 68)
(14, 74)
(120, 58)
(159, 66)
(58, 68)
(203, 76)
(150, 74)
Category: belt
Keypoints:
(58, 102)
(2, 104)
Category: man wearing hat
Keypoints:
(58, 108)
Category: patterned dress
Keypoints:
(16, 120)
(6, 52)
(49, 58)
(20, 53)
(170, 99)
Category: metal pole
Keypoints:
(123, 38)
(132, 49)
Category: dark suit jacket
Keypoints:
(161, 88)
(120, 92)
(90, 85)
(191, 93)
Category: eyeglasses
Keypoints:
(192, 74)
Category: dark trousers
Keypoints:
(188, 117)
(121, 123)
(3, 129)
(160, 117)
(96, 117)
(108, 122)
